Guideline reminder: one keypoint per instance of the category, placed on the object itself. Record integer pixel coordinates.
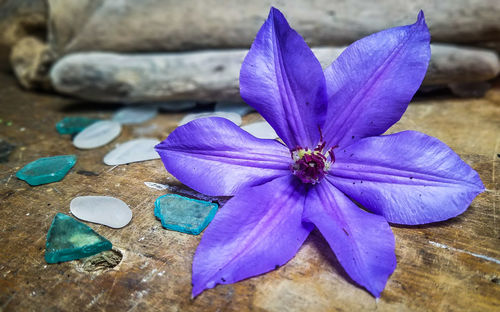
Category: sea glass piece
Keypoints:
(97, 134)
(235, 118)
(72, 125)
(239, 108)
(69, 239)
(105, 210)
(135, 115)
(46, 170)
(261, 130)
(132, 151)
(184, 214)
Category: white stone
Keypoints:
(97, 134)
(239, 108)
(132, 151)
(261, 130)
(235, 118)
(105, 210)
(135, 115)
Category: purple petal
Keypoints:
(373, 80)
(259, 229)
(282, 79)
(408, 177)
(363, 242)
(215, 157)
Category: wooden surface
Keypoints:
(449, 266)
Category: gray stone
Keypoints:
(158, 25)
(135, 115)
(132, 151)
(105, 210)
(97, 134)
(454, 64)
(213, 75)
(22, 18)
(261, 130)
(235, 118)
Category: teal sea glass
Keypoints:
(69, 239)
(73, 125)
(184, 214)
(46, 170)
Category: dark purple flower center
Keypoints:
(311, 166)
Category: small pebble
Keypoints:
(135, 114)
(105, 210)
(235, 118)
(97, 134)
(261, 130)
(132, 151)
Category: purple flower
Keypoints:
(331, 124)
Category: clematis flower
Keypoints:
(331, 124)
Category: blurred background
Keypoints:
(130, 51)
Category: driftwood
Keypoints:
(213, 75)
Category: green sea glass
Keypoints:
(69, 239)
(72, 125)
(184, 214)
(46, 170)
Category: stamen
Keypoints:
(311, 166)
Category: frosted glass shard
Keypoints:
(104, 210)
(235, 118)
(72, 125)
(184, 214)
(46, 170)
(132, 151)
(261, 130)
(69, 239)
(97, 134)
(135, 115)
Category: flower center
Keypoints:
(311, 166)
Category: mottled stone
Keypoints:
(235, 118)
(46, 170)
(135, 115)
(132, 151)
(261, 130)
(74, 124)
(184, 214)
(31, 60)
(97, 134)
(22, 18)
(105, 210)
(214, 75)
(69, 239)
